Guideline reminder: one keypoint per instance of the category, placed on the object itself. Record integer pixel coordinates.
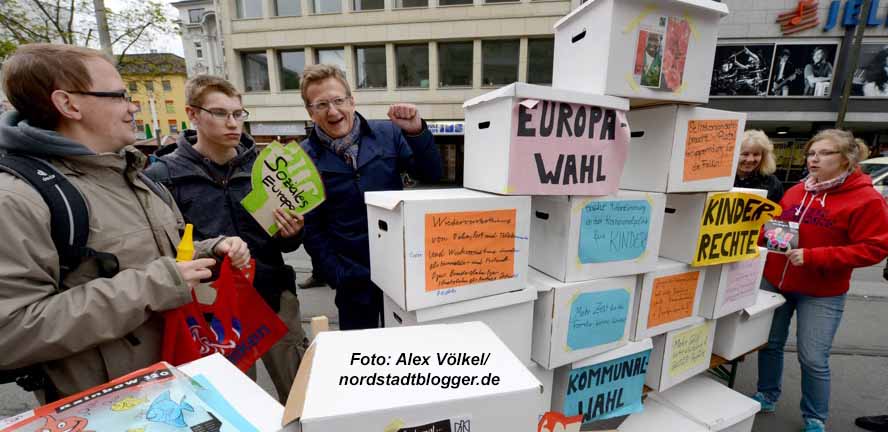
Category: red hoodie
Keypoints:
(839, 229)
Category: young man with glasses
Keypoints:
(354, 156)
(84, 325)
(209, 172)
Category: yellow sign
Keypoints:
(730, 226)
(690, 349)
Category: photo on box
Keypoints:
(649, 55)
(781, 236)
(678, 33)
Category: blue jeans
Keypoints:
(818, 321)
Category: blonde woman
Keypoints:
(757, 165)
(843, 225)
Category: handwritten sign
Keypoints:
(464, 248)
(614, 230)
(672, 298)
(607, 390)
(563, 148)
(743, 279)
(730, 227)
(690, 350)
(597, 318)
(286, 178)
(709, 149)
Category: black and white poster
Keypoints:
(803, 70)
(741, 70)
(871, 76)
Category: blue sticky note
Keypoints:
(597, 318)
(607, 390)
(614, 230)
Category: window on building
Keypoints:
(138, 106)
(411, 3)
(140, 124)
(199, 53)
(287, 7)
(292, 64)
(249, 8)
(501, 1)
(499, 62)
(454, 2)
(194, 15)
(371, 67)
(332, 56)
(412, 63)
(174, 127)
(366, 5)
(170, 106)
(255, 71)
(167, 86)
(133, 86)
(455, 64)
(149, 86)
(326, 6)
(539, 60)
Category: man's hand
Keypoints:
(195, 271)
(406, 117)
(289, 225)
(236, 249)
(796, 257)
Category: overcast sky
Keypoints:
(169, 43)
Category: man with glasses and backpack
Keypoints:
(87, 259)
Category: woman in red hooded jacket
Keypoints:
(843, 224)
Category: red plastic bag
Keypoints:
(238, 325)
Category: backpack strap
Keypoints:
(69, 214)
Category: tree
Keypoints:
(134, 26)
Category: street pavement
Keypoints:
(859, 361)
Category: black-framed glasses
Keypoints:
(122, 94)
(221, 114)
(323, 106)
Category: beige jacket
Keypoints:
(78, 334)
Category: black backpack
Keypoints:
(69, 225)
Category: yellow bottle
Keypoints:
(185, 250)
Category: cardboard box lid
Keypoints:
(706, 5)
(708, 402)
(476, 305)
(316, 393)
(623, 351)
(532, 91)
(543, 282)
(764, 301)
(390, 199)
(666, 264)
(657, 416)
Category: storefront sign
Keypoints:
(852, 13)
(446, 128)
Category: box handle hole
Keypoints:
(637, 134)
(397, 318)
(541, 215)
(484, 125)
(578, 37)
(670, 210)
(383, 226)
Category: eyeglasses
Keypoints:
(821, 154)
(323, 106)
(221, 114)
(122, 95)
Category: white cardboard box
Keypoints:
(577, 320)
(597, 48)
(744, 331)
(579, 238)
(438, 246)
(666, 299)
(526, 139)
(659, 417)
(712, 404)
(327, 394)
(509, 315)
(251, 401)
(731, 287)
(604, 386)
(680, 354)
(546, 377)
(680, 148)
(681, 223)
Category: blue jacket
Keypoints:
(336, 231)
(213, 206)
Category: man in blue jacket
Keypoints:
(354, 156)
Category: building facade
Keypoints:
(201, 37)
(156, 83)
(439, 53)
